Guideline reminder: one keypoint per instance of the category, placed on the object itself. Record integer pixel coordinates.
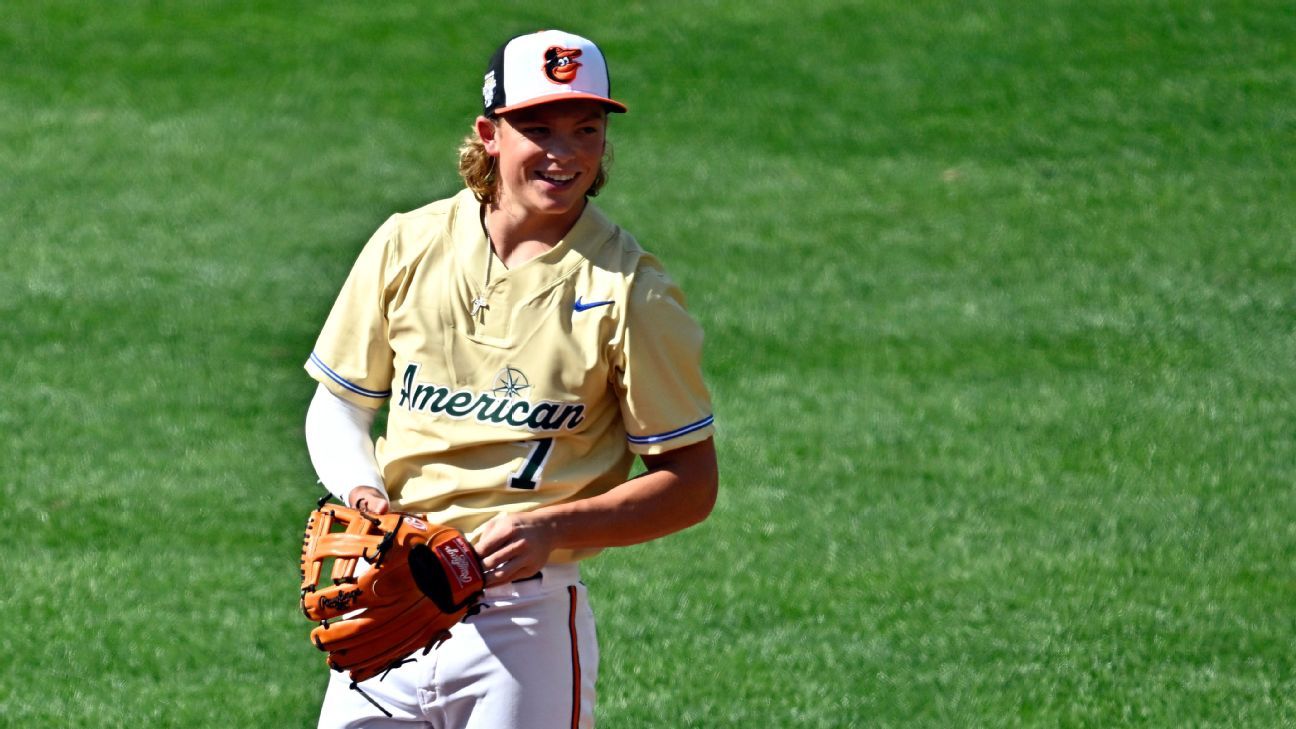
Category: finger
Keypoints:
(367, 498)
(502, 574)
(373, 505)
(506, 555)
(517, 567)
(495, 537)
(498, 558)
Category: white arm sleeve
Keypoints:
(337, 436)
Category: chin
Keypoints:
(552, 205)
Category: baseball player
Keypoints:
(527, 350)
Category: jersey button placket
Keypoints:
(495, 317)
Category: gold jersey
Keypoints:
(517, 388)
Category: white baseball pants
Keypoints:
(529, 661)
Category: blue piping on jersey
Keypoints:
(648, 439)
(315, 360)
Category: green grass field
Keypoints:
(1001, 313)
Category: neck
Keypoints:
(519, 238)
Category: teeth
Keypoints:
(558, 178)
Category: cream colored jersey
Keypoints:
(580, 358)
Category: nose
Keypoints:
(561, 147)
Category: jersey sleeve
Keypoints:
(664, 400)
(353, 356)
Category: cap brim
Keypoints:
(612, 106)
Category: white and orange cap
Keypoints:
(544, 67)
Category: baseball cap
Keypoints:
(544, 67)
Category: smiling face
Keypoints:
(547, 157)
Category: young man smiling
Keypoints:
(547, 156)
(537, 349)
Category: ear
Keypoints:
(488, 132)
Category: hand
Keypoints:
(370, 499)
(513, 546)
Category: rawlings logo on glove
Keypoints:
(431, 579)
(459, 555)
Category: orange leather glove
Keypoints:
(422, 579)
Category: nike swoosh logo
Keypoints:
(587, 305)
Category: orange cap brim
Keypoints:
(612, 106)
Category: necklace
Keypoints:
(479, 303)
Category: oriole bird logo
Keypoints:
(560, 64)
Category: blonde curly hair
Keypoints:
(477, 168)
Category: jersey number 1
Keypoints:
(528, 476)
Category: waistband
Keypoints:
(551, 577)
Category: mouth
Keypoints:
(558, 179)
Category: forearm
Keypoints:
(678, 491)
(657, 503)
(341, 449)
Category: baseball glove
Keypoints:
(422, 580)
